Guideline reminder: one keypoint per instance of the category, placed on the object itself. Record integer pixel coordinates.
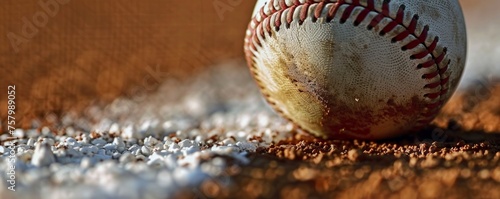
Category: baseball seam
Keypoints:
(284, 11)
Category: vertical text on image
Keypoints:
(11, 108)
(11, 122)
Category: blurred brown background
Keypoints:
(64, 54)
(97, 50)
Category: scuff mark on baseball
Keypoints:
(368, 69)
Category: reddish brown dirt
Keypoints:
(454, 158)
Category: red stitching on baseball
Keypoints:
(303, 13)
(260, 27)
(317, 12)
(433, 85)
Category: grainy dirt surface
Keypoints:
(456, 158)
(451, 158)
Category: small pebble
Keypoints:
(145, 150)
(114, 129)
(85, 150)
(120, 145)
(150, 141)
(126, 158)
(129, 132)
(110, 147)
(70, 140)
(484, 174)
(353, 154)
(224, 149)
(200, 139)
(134, 148)
(46, 131)
(100, 157)
(247, 146)
(86, 138)
(93, 149)
(72, 152)
(43, 156)
(31, 142)
(101, 152)
(185, 143)
(99, 142)
(116, 155)
(228, 141)
(19, 133)
(156, 163)
(70, 131)
(22, 148)
(173, 147)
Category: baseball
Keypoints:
(367, 69)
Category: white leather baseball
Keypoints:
(367, 69)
